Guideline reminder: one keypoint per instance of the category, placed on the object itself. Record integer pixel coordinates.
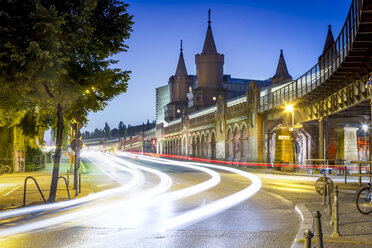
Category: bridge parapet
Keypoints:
(173, 128)
(202, 119)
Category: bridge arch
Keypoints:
(229, 144)
(244, 143)
(236, 143)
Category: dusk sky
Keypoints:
(249, 33)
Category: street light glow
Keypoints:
(365, 127)
(289, 108)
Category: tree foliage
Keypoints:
(57, 56)
(107, 131)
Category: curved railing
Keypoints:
(322, 71)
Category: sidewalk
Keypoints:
(12, 185)
(355, 229)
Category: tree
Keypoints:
(115, 133)
(57, 56)
(121, 129)
(107, 131)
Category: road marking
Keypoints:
(13, 190)
(284, 200)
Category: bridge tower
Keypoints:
(209, 65)
(178, 88)
(281, 75)
(324, 58)
(329, 41)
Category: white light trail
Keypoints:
(164, 184)
(188, 191)
(214, 207)
(137, 179)
(147, 197)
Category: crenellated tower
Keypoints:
(209, 76)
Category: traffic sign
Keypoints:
(76, 145)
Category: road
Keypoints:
(162, 203)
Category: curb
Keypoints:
(307, 223)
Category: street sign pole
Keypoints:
(76, 159)
(76, 146)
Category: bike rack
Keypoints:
(68, 192)
(24, 192)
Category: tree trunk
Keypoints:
(57, 156)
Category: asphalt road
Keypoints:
(172, 209)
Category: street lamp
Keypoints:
(369, 87)
(289, 108)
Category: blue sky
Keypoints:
(249, 33)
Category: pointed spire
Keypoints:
(281, 74)
(181, 67)
(209, 17)
(329, 41)
(209, 45)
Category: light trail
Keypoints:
(185, 192)
(217, 206)
(137, 179)
(148, 196)
(164, 185)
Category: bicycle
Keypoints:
(5, 168)
(364, 200)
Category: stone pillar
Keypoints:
(283, 147)
(321, 139)
(325, 138)
(221, 128)
(369, 139)
(347, 147)
(241, 150)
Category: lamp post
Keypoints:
(369, 87)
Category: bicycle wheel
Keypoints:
(319, 185)
(363, 201)
(7, 169)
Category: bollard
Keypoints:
(308, 236)
(318, 230)
(345, 175)
(324, 189)
(329, 200)
(336, 232)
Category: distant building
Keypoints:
(162, 99)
